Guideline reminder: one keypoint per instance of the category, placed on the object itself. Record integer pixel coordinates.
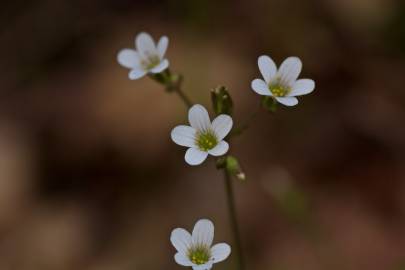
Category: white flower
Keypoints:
(203, 137)
(147, 58)
(282, 84)
(195, 250)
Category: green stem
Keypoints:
(173, 83)
(175, 86)
(183, 96)
(233, 219)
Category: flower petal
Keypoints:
(181, 240)
(289, 70)
(261, 87)
(221, 148)
(203, 233)
(302, 87)
(136, 73)
(267, 67)
(145, 45)
(162, 46)
(184, 135)
(199, 118)
(220, 252)
(161, 66)
(206, 266)
(128, 58)
(195, 157)
(221, 125)
(182, 259)
(287, 101)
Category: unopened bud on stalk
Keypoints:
(221, 101)
(234, 169)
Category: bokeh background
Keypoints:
(89, 178)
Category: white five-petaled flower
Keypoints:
(282, 84)
(195, 249)
(203, 137)
(147, 58)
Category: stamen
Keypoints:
(199, 255)
(206, 140)
(150, 61)
(279, 90)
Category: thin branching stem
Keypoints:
(228, 188)
(183, 96)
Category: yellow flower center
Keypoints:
(206, 140)
(279, 90)
(199, 255)
(150, 62)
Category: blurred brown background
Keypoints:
(89, 178)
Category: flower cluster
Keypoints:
(203, 137)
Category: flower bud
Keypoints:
(221, 101)
(234, 169)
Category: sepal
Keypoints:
(269, 103)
